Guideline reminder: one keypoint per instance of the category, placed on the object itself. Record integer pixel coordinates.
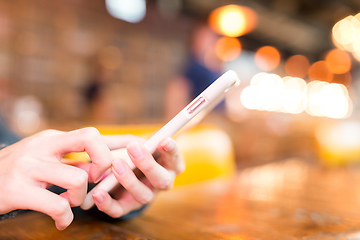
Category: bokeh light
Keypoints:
(267, 58)
(297, 66)
(356, 49)
(346, 35)
(344, 32)
(320, 70)
(27, 115)
(338, 61)
(313, 107)
(255, 80)
(344, 78)
(233, 20)
(227, 48)
(333, 101)
(273, 86)
(294, 95)
(329, 100)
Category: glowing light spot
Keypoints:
(227, 49)
(346, 29)
(267, 58)
(26, 114)
(346, 35)
(251, 97)
(294, 95)
(297, 66)
(338, 61)
(274, 91)
(320, 70)
(344, 78)
(264, 92)
(227, 23)
(356, 48)
(333, 102)
(329, 100)
(128, 10)
(233, 20)
(313, 107)
(28, 122)
(255, 80)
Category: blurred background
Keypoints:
(74, 63)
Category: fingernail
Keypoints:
(147, 198)
(166, 181)
(98, 197)
(168, 144)
(98, 179)
(135, 150)
(119, 166)
(59, 227)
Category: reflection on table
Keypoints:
(283, 200)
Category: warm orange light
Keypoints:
(233, 20)
(344, 78)
(320, 70)
(267, 58)
(344, 33)
(294, 98)
(227, 49)
(346, 36)
(297, 66)
(338, 60)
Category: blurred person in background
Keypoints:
(202, 68)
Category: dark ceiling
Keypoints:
(294, 26)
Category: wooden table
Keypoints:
(283, 200)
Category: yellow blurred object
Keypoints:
(208, 153)
(207, 150)
(339, 143)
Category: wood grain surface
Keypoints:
(282, 200)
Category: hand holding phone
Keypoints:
(202, 103)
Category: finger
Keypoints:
(51, 204)
(170, 156)
(85, 139)
(120, 141)
(130, 182)
(83, 166)
(157, 175)
(48, 132)
(115, 208)
(86, 168)
(69, 177)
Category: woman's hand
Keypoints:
(160, 175)
(28, 166)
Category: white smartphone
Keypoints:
(203, 103)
